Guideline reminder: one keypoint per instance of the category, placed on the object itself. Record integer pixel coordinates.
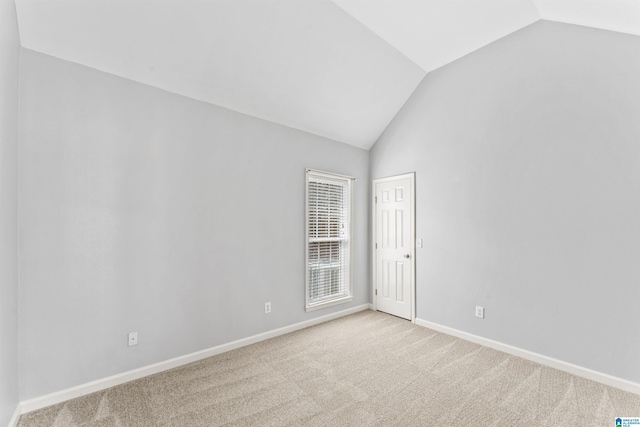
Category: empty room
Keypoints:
(319, 212)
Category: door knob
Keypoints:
(407, 256)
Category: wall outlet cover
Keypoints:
(133, 338)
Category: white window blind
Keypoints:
(328, 239)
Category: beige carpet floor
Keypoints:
(368, 369)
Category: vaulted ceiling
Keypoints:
(336, 68)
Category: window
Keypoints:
(328, 217)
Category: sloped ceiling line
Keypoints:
(340, 69)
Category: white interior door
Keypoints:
(394, 242)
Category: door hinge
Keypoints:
(376, 199)
(376, 292)
(376, 246)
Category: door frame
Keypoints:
(412, 177)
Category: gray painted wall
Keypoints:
(527, 159)
(9, 66)
(147, 211)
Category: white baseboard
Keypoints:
(13, 421)
(538, 358)
(104, 383)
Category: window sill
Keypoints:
(329, 303)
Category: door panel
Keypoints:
(394, 246)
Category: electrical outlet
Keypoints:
(479, 312)
(133, 338)
(267, 307)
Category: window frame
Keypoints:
(346, 296)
